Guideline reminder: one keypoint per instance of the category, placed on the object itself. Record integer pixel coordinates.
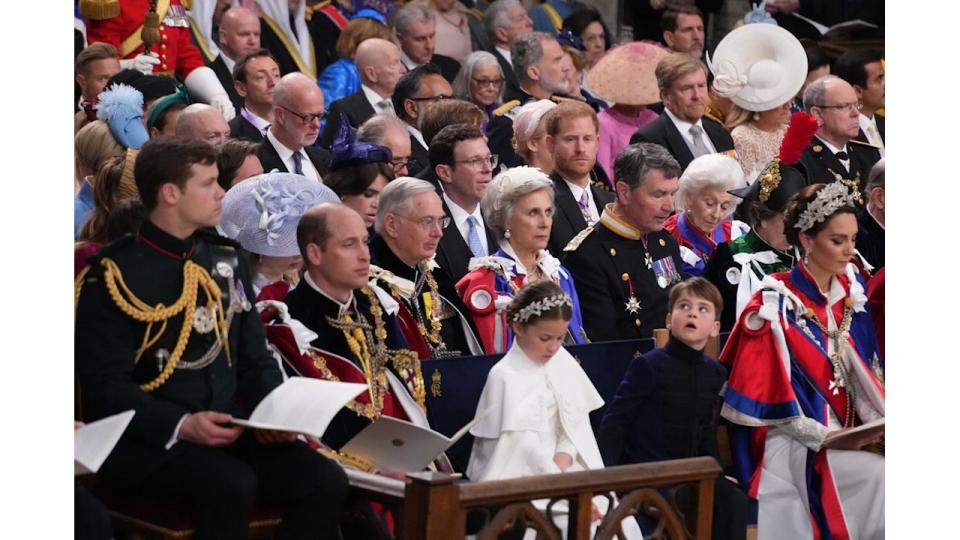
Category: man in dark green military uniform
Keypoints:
(164, 326)
(625, 265)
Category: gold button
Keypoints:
(164, 66)
(613, 252)
(637, 322)
(662, 242)
(625, 276)
(163, 46)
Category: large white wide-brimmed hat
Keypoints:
(758, 66)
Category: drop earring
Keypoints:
(506, 234)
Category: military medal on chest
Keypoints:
(632, 304)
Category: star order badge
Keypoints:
(632, 305)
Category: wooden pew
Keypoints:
(435, 506)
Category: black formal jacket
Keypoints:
(820, 163)
(106, 340)
(453, 253)
(451, 332)
(419, 153)
(512, 87)
(241, 128)
(500, 141)
(871, 239)
(665, 133)
(270, 159)
(448, 66)
(271, 41)
(599, 266)
(226, 79)
(312, 309)
(666, 407)
(567, 219)
(357, 109)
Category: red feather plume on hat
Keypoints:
(799, 133)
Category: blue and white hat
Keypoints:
(262, 212)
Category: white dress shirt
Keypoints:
(869, 127)
(834, 149)
(408, 62)
(684, 128)
(416, 135)
(228, 62)
(257, 122)
(459, 217)
(506, 54)
(286, 155)
(578, 192)
(379, 104)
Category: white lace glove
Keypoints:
(203, 84)
(143, 63)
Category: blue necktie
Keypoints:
(297, 163)
(473, 238)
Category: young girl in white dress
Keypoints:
(536, 404)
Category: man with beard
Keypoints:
(538, 61)
(683, 30)
(573, 138)
(288, 145)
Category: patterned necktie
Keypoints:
(699, 147)
(584, 204)
(298, 163)
(473, 237)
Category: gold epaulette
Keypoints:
(477, 14)
(575, 242)
(560, 99)
(506, 107)
(187, 4)
(310, 10)
(99, 10)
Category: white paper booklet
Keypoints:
(391, 444)
(93, 442)
(302, 405)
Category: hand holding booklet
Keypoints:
(93, 442)
(855, 437)
(395, 445)
(302, 405)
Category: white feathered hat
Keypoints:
(758, 66)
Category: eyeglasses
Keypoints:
(428, 223)
(848, 107)
(431, 98)
(409, 163)
(477, 162)
(487, 82)
(307, 118)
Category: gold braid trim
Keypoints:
(77, 285)
(405, 360)
(347, 459)
(194, 277)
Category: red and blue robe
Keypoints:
(697, 247)
(490, 286)
(781, 372)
